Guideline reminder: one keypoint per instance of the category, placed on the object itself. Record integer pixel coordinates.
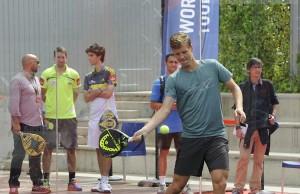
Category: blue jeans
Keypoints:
(18, 156)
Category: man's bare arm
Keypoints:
(157, 105)
(15, 122)
(44, 90)
(158, 117)
(107, 92)
(238, 99)
(90, 95)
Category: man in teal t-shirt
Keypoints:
(195, 88)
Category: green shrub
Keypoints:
(257, 29)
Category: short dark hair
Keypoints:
(169, 55)
(60, 49)
(96, 49)
(178, 39)
(254, 61)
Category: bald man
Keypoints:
(25, 109)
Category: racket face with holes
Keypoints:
(108, 120)
(112, 142)
(33, 144)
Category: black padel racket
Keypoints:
(112, 142)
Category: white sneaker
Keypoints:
(188, 189)
(102, 188)
(161, 188)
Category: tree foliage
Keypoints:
(257, 28)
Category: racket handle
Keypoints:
(130, 139)
(138, 138)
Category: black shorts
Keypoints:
(67, 131)
(195, 151)
(165, 140)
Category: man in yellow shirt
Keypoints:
(60, 85)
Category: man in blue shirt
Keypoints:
(172, 121)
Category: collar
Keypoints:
(28, 75)
(66, 67)
(101, 68)
(260, 82)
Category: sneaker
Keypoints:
(74, 186)
(46, 183)
(40, 190)
(188, 189)
(13, 190)
(102, 188)
(254, 192)
(161, 188)
(237, 191)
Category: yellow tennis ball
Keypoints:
(164, 129)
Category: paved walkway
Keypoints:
(88, 180)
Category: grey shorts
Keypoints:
(67, 133)
(193, 152)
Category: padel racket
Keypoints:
(108, 120)
(109, 140)
(33, 144)
(112, 142)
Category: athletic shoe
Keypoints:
(40, 190)
(74, 186)
(237, 191)
(161, 188)
(102, 188)
(13, 190)
(46, 183)
(188, 189)
(253, 192)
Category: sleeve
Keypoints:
(76, 82)
(155, 93)
(43, 80)
(86, 86)
(274, 99)
(224, 74)
(14, 98)
(170, 89)
(112, 77)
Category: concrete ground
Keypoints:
(88, 180)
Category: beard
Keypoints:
(34, 70)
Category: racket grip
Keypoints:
(138, 138)
(130, 139)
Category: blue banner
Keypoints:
(199, 19)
